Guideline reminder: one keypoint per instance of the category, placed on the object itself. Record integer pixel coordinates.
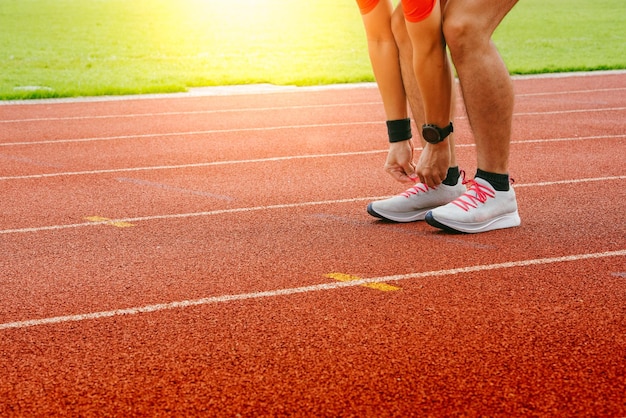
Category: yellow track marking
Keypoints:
(383, 287)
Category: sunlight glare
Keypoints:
(245, 15)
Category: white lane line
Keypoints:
(306, 289)
(268, 207)
(192, 215)
(572, 181)
(556, 93)
(266, 89)
(285, 158)
(562, 112)
(195, 112)
(270, 128)
(189, 133)
(194, 165)
(267, 109)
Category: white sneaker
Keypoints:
(413, 204)
(480, 209)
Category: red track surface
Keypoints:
(173, 256)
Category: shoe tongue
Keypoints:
(483, 182)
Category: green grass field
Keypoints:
(59, 48)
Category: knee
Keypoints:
(398, 27)
(460, 34)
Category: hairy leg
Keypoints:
(485, 82)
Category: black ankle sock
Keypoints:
(500, 182)
(452, 178)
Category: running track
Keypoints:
(210, 254)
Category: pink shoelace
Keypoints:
(476, 193)
(423, 188)
(418, 188)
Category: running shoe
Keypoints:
(413, 204)
(480, 209)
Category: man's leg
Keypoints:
(485, 82)
(490, 202)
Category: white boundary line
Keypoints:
(193, 165)
(270, 89)
(188, 133)
(564, 112)
(265, 208)
(272, 108)
(305, 289)
(195, 112)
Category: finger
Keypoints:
(399, 175)
(434, 181)
(402, 178)
(409, 179)
(409, 170)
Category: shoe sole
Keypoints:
(508, 220)
(417, 216)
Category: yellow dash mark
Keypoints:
(108, 221)
(383, 287)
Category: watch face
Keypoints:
(430, 134)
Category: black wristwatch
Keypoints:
(433, 134)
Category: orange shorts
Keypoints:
(366, 6)
(414, 10)
(417, 10)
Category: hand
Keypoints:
(400, 162)
(432, 166)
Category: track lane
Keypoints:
(227, 185)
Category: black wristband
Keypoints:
(399, 130)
